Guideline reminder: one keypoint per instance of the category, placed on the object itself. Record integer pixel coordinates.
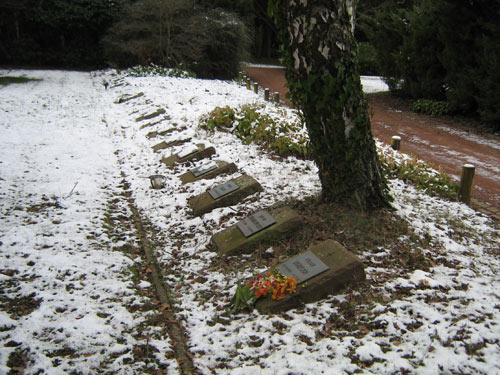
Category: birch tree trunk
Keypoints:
(320, 55)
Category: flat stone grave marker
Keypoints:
(163, 145)
(148, 116)
(232, 241)
(162, 133)
(153, 123)
(222, 167)
(255, 223)
(330, 268)
(125, 98)
(189, 153)
(224, 195)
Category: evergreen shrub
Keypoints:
(367, 59)
(157, 70)
(431, 107)
(211, 43)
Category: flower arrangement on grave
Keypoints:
(272, 284)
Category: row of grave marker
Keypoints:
(327, 266)
(266, 227)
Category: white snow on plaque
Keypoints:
(186, 151)
(204, 168)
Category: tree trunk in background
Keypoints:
(320, 55)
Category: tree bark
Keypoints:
(320, 55)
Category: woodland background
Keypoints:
(442, 54)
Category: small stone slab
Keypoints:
(163, 145)
(344, 268)
(153, 123)
(202, 153)
(231, 241)
(255, 223)
(222, 168)
(162, 133)
(207, 202)
(148, 116)
(125, 99)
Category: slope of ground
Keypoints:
(77, 206)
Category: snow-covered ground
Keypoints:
(68, 285)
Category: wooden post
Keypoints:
(465, 189)
(249, 81)
(266, 94)
(276, 97)
(256, 87)
(240, 76)
(396, 142)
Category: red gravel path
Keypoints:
(441, 143)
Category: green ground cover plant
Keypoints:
(421, 175)
(248, 124)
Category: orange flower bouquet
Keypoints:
(272, 284)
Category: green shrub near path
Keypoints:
(431, 107)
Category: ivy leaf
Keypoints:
(272, 8)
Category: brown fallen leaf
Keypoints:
(164, 307)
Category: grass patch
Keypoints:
(4, 81)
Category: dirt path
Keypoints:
(439, 142)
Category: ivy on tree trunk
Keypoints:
(320, 56)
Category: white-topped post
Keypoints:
(396, 142)
(266, 94)
(465, 189)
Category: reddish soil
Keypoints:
(442, 142)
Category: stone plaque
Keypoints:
(303, 267)
(204, 168)
(255, 223)
(221, 190)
